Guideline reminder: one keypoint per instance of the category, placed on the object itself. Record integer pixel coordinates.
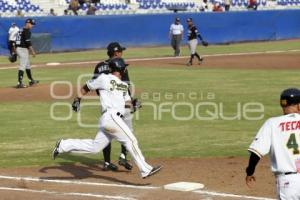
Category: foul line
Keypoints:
(66, 194)
(231, 195)
(75, 182)
(151, 59)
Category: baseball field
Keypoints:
(195, 121)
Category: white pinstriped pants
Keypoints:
(288, 187)
(23, 54)
(193, 45)
(111, 127)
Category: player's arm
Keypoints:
(76, 103)
(28, 42)
(253, 160)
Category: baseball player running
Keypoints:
(280, 137)
(193, 34)
(23, 43)
(113, 95)
(115, 50)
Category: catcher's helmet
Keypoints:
(117, 64)
(113, 47)
(290, 96)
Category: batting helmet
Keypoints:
(290, 96)
(117, 64)
(113, 47)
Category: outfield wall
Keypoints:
(69, 33)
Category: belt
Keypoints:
(285, 173)
(127, 106)
(120, 115)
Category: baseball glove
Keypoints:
(136, 104)
(204, 43)
(76, 104)
(12, 58)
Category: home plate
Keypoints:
(53, 64)
(184, 186)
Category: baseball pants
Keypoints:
(23, 54)
(111, 127)
(193, 45)
(288, 187)
(175, 43)
(128, 118)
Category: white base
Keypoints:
(184, 186)
(52, 64)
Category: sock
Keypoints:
(106, 153)
(20, 76)
(197, 55)
(192, 57)
(123, 152)
(28, 72)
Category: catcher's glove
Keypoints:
(136, 104)
(204, 43)
(12, 58)
(76, 104)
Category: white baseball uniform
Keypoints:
(280, 137)
(113, 94)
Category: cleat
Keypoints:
(200, 61)
(21, 85)
(33, 82)
(55, 150)
(123, 162)
(153, 171)
(189, 64)
(109, 167)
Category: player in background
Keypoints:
(115, 50)
(113, 95)
(193, 36)
(280, 137)
(12, 35)
(23, 43)
(176, 32)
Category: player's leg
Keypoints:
(23, 56)
(173, 43)
(107, 162)
(177, 42)
(288, 187)
(126, 137)
(29, 74)
(200, 59)
(192, 46)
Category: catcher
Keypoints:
(193, 34)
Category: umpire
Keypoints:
(176, 32)
(115, 50)
(23, 43)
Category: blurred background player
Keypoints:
(115, 50)
(193, 36)
(176, 32)
(279, 136)
(12, 36)
(23, 43)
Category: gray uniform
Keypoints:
(176, 31)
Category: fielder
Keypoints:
(115, 50)
(193, 34)
(113, 95)
(280, 137)
(23, 43)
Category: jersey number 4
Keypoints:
(292, 144)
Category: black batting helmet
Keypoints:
(290, 96)
(113, 47)
(117, 64)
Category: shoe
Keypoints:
(33, 82)
(200, 61)
(109, 167)
(21, 85)
(123, 162)
(153, 171)
(55, 150)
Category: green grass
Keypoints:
(28, 133)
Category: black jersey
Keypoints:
(193, 32)
(23, 38)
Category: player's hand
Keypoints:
(250, 180)
(136, 104)
(76, 104)
(204, 43)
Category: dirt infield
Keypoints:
(220, 175)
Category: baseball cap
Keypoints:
(189, 19)
(177, 19)
(13, 24)
(31, 21)
(115, 46)
(290, 96)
